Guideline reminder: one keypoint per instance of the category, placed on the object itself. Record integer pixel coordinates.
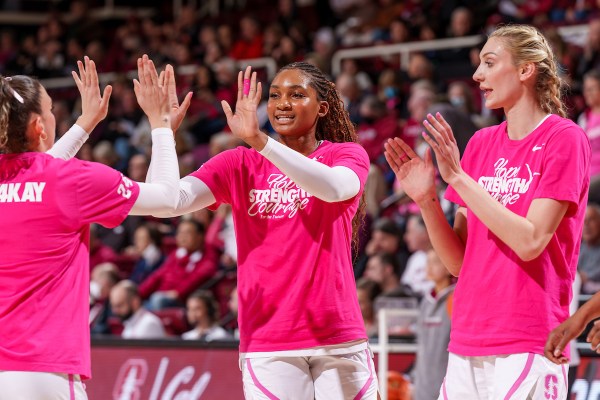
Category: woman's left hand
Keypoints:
(94, 106)
(444, 146)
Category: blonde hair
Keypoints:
(527, 44)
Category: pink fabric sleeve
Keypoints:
(103, 194)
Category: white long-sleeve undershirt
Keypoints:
(330, 184)
(327, 183)
(162, 193)
(69, 144)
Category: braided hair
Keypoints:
(335, 126)
(527, 44)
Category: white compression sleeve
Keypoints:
(193, 195)
(162, 194)
(69, 144)
(327, 183)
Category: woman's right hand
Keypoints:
(153, 97)
(416, 175)
(94, 106)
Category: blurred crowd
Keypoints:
(153, 278)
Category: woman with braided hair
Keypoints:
(521, 189)
(296, 205)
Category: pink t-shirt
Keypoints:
(296, 285)
(503, 305)
(46, 206)
(593, 131)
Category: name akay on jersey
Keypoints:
(22, 192)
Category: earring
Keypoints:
(43, 137)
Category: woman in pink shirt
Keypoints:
(46, 207)
(521, 189)
(296, 205)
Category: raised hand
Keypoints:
(94, 106)
(417, 176)
(244, 122)
(444, 146)
(178, 111)
(152, 97)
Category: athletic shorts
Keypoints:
(523, 376)
(320, 377)
(29, 385)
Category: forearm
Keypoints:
(517, 232)
(330, 184)
(70, 143)
(589, 311)
(163, 193)
(193, 194)
(445, 241)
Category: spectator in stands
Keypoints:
(418, 243)
(183, 271)
(589, 252)
(422, 96)
(589, 121)
(383, 268)
(376, 127)
(99, 252)
(250, 42)
(367, 291)
(526, 236)
(104, 277)
(202, 313)
(420, 67)
(590, 59)
(146, 251)
(138, 322)
(389, 90)
(386, 236)
(230, 319)
(323, 46)
(351, 95)
(433, 331)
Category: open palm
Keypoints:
(416, 175)
(244, 122)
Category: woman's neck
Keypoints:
(302, 144)
(521, 122)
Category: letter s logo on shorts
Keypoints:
(123, 188)
(551, 387)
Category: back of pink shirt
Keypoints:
(295, 280)
(503, 305)
(46, 206)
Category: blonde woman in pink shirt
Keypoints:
(46, 207)
(521, 189)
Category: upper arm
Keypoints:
(460, 224)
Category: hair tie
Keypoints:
(14, 92)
